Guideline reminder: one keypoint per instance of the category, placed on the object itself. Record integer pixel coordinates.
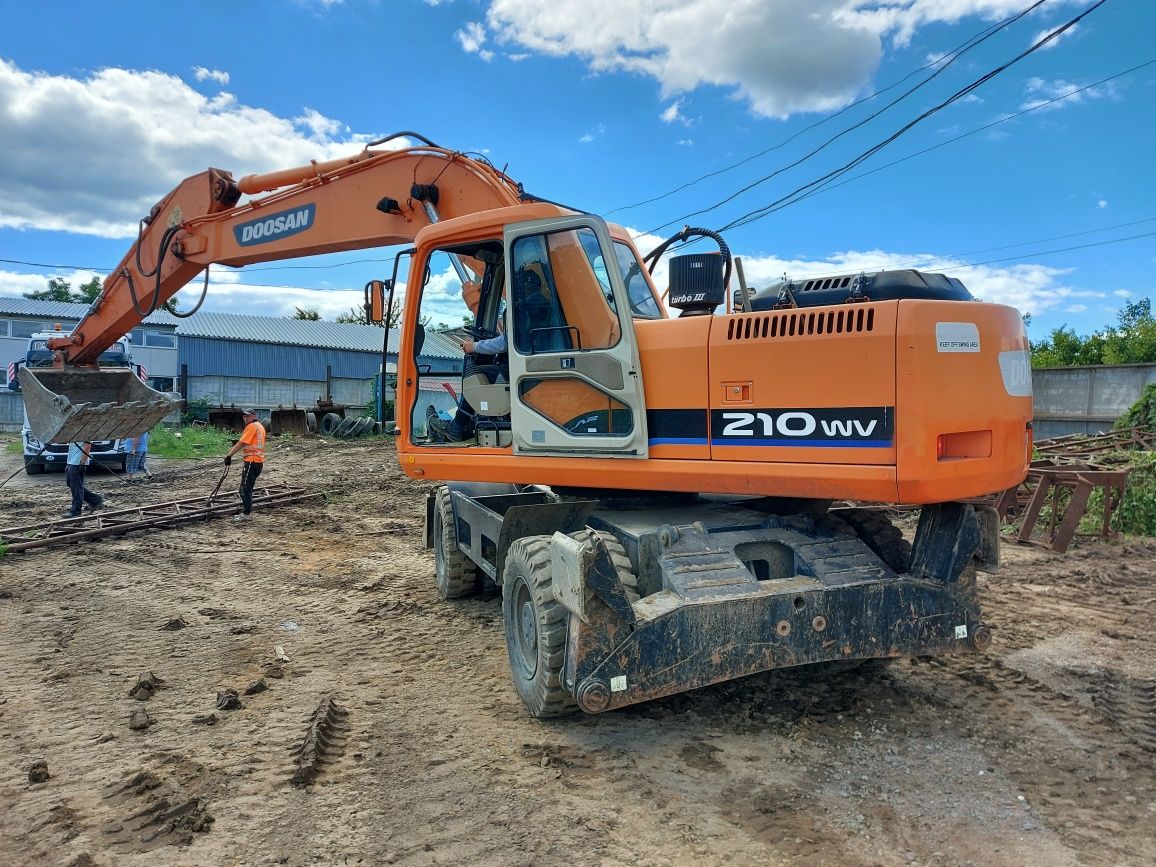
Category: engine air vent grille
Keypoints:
(828, 283)
(850, 319)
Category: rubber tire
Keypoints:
(33, 468)
(527, 580)
(535, 626)
(376, 431)
(311, 422)
(330, 422)
(456, 574)
(345, 427)
(364, 425)
(881, 536)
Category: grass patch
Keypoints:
(190, 442)
(16, 448)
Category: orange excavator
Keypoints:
(661, 485)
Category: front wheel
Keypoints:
(535, 627)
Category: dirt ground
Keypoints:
(400, 710)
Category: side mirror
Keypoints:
(375, 299)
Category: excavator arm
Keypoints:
(375, 198)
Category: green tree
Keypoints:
(1064, 348)
(58, 290)
(307, 313)
(86, 292)
(356, 316)
(1134, 340)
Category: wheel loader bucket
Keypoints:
(86, 405)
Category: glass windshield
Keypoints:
(642, 303)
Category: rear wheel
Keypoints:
(329, 422)
(881, 536)
(456, 574)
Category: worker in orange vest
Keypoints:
(252, 441)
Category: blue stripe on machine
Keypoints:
(801, 443)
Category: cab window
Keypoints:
(560, 294)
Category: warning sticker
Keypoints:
(957, 337)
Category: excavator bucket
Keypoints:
(86, 405)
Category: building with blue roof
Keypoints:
(231, 359)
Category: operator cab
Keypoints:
(526, 341)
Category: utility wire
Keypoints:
(759, 213)
(955, 257)
(1050, 252)
(828, 185)
(946, 60)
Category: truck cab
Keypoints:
(38, 456)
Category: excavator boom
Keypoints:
(373, 199)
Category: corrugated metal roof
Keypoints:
(64, 310)
(255, 329)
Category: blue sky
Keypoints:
(602, 104)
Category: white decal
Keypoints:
(956, 337)
(838, 427)
(786, 429)
(618, 684)
(1016, 368)
(735, 428)
(864, 431)
(961, 631)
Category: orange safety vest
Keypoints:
(253, 440)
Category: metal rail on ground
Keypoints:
(153, 516)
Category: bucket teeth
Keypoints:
(81, 405)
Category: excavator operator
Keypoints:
(461, 426)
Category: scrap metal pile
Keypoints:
(1047, 508)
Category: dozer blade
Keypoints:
(86, 405)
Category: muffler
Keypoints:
(85, 405)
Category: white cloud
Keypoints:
(202, 74)
(673, 114)
(133, 136)
(1100, 205)
(780, 58)
(593, 134)
(1076, 308)
(472, 37)
(1030, 288)
(1041, 92)
(1122, 293)
(1049, 45)
(684, 142)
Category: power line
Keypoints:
(759, 213)
(953, 54)
(972, 43)
(828, 185)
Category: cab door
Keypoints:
(576, 383)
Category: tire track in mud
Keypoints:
(440, 763)
(1080, 768)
